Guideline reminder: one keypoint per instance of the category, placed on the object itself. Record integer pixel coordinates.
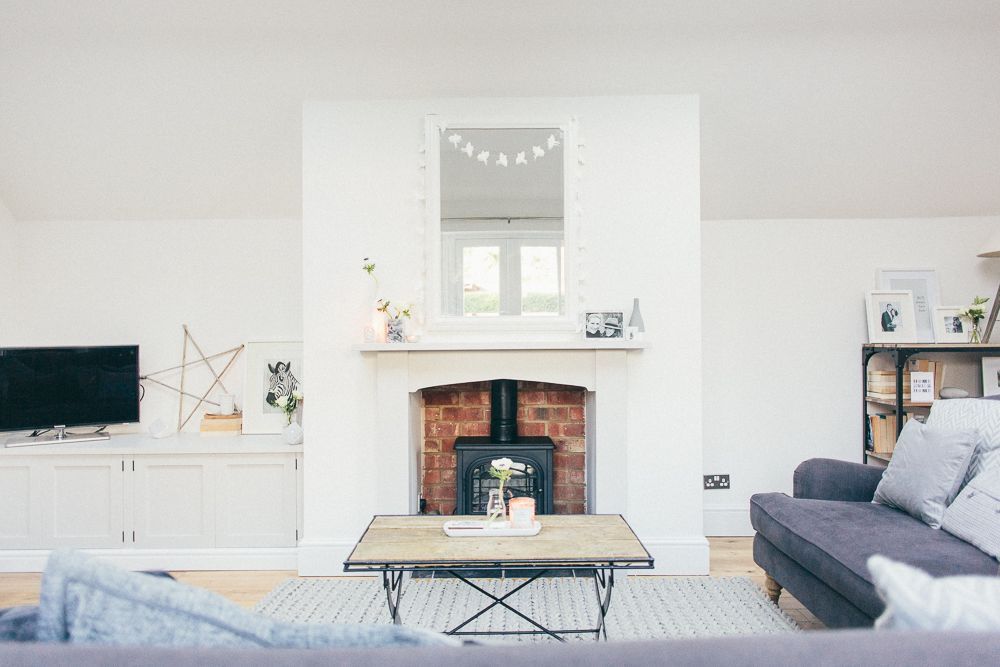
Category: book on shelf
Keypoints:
(882, 428)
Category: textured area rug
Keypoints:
(641, 607)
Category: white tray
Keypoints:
(486, 529)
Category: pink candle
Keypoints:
(522, 512)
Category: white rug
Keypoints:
(641, 607)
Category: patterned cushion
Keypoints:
(916, 601)
(975, 514)
(927, 469)
(984, 416)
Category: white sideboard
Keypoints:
(183, 502)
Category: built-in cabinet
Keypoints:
(185, 493)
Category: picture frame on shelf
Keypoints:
(991, 376)
(890, 316)
(923, 283)
(272, 368)
(604, 324)
(949, 326)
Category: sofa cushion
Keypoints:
(975, 514)
(86, 601)
(982, 415)
(927, 470)
(916, 601)
(833, 540)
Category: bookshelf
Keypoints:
(899, 355)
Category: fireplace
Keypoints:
(531, 455)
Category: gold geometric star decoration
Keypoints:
(202, 359)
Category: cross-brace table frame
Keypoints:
(602, 571)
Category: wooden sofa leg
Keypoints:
(772, 588)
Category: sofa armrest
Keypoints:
(829, 479)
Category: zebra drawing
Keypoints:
(281, 382)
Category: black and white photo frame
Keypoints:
(607, 324)
(891, 316)
(950, 326)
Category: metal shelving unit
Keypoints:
(900, 354)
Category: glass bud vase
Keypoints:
(974, 335)
(495, 508)
(395, 330)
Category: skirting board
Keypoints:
(33, 560)
(728, 521)
(675, 556)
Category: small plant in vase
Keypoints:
(975, 313)
(502, 470)
(395, 324)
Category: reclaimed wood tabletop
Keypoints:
(565, 540)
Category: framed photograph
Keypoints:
(604, 324)
(273, 370)
(949, 327)
(926, 296)
(890, 316)
(991, 376)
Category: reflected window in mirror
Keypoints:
(502, 232)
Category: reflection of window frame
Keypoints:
(437, 321)
(509, 246)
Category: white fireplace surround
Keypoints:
(402, 374)
(402, 371)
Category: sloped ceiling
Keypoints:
(143, 109)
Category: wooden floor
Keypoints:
(730, 557)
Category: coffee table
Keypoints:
(593, 545)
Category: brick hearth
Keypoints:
(542, 409)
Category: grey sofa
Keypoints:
(816, 649)
(816, 544)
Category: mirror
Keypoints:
(502, 222)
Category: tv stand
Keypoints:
(60, 436)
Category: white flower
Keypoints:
(502, 464)
(297, 395)
(281, 401)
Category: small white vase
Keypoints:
(292, 434)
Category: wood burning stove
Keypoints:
(532, 457)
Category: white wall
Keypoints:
(139, 281)
(784, 320)
(10, 295)
(639, 199)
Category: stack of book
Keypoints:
(882, 385)
(882, 433)
(222, 424)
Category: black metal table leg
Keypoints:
(607, 583)
(392, 582)
(457, 630)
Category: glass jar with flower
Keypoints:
(501, 469)
(975, 314)
(393, 317)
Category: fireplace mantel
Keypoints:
(470, 346)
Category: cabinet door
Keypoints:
(82, 501)
(256, 501)
(21, 503)
(174, 502)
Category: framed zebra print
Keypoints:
(273, 370)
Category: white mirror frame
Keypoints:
(438, 322)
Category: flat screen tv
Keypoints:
(64, 387)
